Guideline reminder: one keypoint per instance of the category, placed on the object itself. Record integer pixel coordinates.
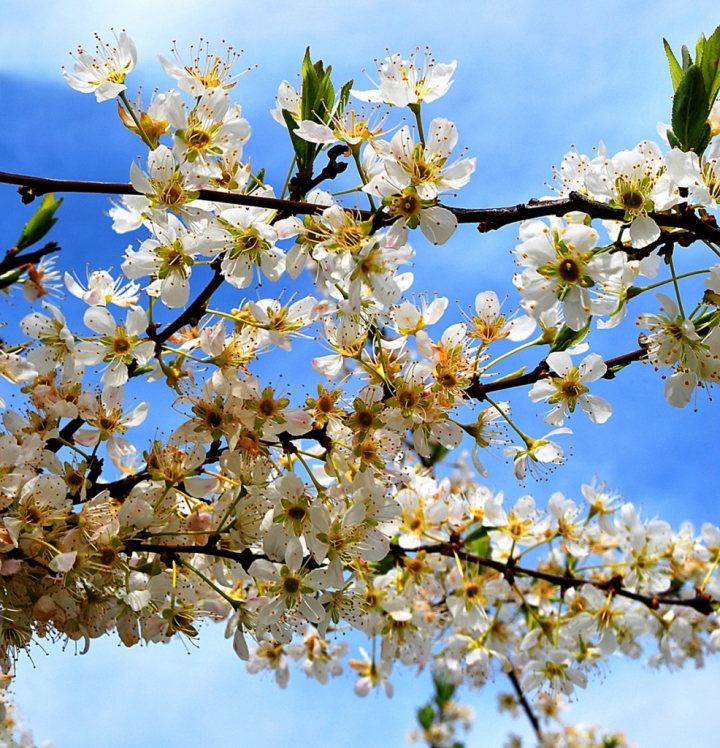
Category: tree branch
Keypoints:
(525, 704)
(32, 187)
(701, 602)
(14, 260)
(478, 391)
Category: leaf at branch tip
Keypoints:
(709, 65)
(690, 108)
(41, 222)
(676, 71)
(512, 375)
(7, 279)
(425, 716)
(443, 691)
(567, 338)
(686, 58)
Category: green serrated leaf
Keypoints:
(425, 716)
(710, 66)
(676, 71)
(703, 140)
(567, 338)
(690, 108)
(700, 50)
(686, 58)
(344, 96)
(42, 221)
(674, 142)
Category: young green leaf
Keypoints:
(676, 71)
(709, 66)
(425, 716)
(690, 108)
(41, 222)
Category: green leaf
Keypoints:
(690, 108)
(676, 71)
(478, 542)
(384, 565)
(41, 222)
(686, 59)
(703, 139)
(481, 548)
(443, 691)
(700, 50)
(344, 96)
(12, 276)
(425, 716)
(672, 139)
(567, 338)
(710, 66)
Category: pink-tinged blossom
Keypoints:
(103, 290)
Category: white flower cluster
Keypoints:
(293, 521)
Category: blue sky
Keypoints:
(532, 79)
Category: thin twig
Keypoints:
(525, 704)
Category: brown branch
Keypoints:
(490, 219)
(701, 602)
(478, 391)
(525, 704)
(195, 310)
(14, 260)
(244, 558)
(65, 434)
(32, 187)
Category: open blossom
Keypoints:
(246, 239)
(104, 73)
(212, 127)
(206, 72)
(634, 181)
(15, 369)
(424, 166)
(288, 100)
(119, 345)
(699, 176)
(537, 452)
(561, 264)
(406, 82)
(490, 325)
(568, 388)
(674, 341)
(163, 188)
(103, 290)
(414, 175)
(105, 422)
(349, 127)
(168, 257)
(57, 344)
